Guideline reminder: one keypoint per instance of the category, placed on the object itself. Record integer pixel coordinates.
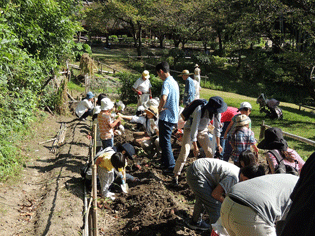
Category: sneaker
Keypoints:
(168, 171)
(201, 225)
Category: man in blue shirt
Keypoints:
(189, 94)
(168, 110)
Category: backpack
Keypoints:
(282, 168)
(191, 107)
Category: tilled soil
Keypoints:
(48, 198)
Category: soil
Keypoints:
(48, 197)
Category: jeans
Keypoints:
(165, 133)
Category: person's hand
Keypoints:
(196, 152)
(150, 96)
(139, 92)
(220, 148)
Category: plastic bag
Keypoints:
(218, 229)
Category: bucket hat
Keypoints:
(273, 140)
(185, 72)
(146, 74)
(152, 110)
(245, 105)
(196, 65)
(216, 104)
(89, 95)
(106, 104)
(130, 150)
(242, 120)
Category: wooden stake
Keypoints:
(94, 175)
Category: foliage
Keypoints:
(80, 49)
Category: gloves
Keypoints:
(139, 92)
(150, 96)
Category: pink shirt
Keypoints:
(294, 155)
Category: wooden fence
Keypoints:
(263, 127)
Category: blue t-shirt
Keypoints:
(189, 94)
(171, 90)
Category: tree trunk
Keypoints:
(220, 40)
(139, 46)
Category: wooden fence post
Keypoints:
(262, 130)
(94, 183)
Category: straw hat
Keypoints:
(185, 72)
(196, 65)
(106, 104)
(242, 120)
(146, 74)
(273, 140)
(153, 110)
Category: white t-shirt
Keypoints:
(83, 106)
(142, 85)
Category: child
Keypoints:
(85, 107)
(106, 125)
(150, 124)
(242, 138)
(245, 109)
(97, 108)
(107, 162)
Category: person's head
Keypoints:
(89, 96)
(185, 74)
(196, 66)
(145, 75)
(251, 171)
(162, 69)
(245, 108)
(106, 104)
(242, 120)
(216, 105)
(152, 112)
(247, 158)
(273, 140)
(100, 97)
(118, 161)
(127, 150)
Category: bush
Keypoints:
(80, 49)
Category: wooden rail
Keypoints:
(263, 127)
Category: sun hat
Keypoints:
(273, 140)
(89, 95)
(196, 65)
(216, 104)
(152, 102)
(185, 72)
(245, 105)
(242, 120)
(146, 74)
(153, 110)
(106, 104)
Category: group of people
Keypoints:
(247, 201)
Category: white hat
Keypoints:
(245, 105)
(242, 120)
(146, 74)
(106, 104)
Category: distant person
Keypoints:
(275, 142)
(254, 206)
(196, 129)
(210, 180)
(142, 87)
(242, 139)
(197, 81)
(301, 217)
(189, 94)
(106, 125)
(168, 114)
(85, 107)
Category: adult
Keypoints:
(168, 114)
(275, 142)
(142, 87)
(210, 180)
(301, 217)
(85, 107)
(254, 206)
(196, 129)
(197, 81)
(226, 118)
(189, 94)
